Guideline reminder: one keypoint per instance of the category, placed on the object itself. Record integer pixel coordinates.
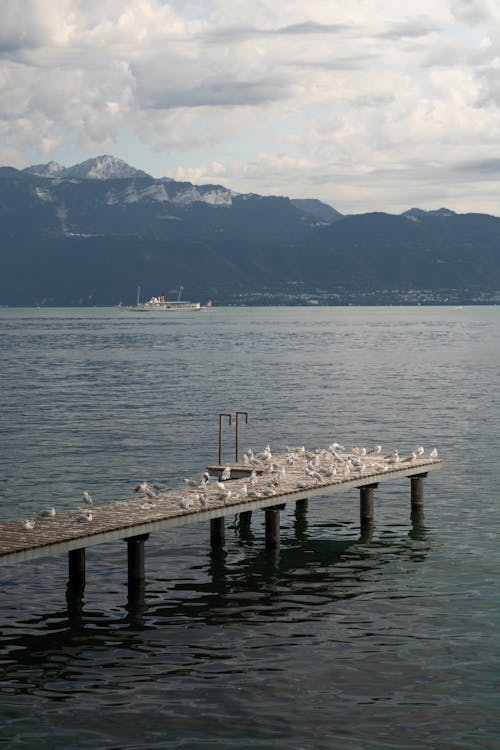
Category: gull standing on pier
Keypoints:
(87, 499)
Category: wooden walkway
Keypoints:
(139, 516)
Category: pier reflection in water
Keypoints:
(299, 582)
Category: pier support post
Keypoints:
(417, 492)
(300, 518)
(135, 556)
(217, 531)
(272, 525)
(76, 567)
(366, 504)
(246, 518)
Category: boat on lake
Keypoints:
(161, 304)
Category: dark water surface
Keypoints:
(342, 639)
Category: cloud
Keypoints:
(410, 29)
(474, 11)
(370, 103)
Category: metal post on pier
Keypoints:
(230, 420)
(366, 504)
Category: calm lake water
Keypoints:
(340, 640)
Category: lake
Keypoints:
(362, 642)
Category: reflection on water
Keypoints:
(296, 582)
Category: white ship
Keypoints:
(161, 303)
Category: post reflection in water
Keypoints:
(136, 606)
(74, 602)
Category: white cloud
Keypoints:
(368, 105)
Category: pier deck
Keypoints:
(133, 518)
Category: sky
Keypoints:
(368, 105)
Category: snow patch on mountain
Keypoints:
(215, 196)
(158, 193)
(51, 169)
(103, 167)
(43, 195)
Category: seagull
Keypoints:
(346, 469)
(49, 513)
(336, 447)
(243, 491)
(29, 523)
(266, 454)
(393, 454)
(85, 517)
(158, 487)
(254, 493)
(252, 478)
(411, 457)
(192, 482)
(433, 453)
(252, 458)
(226, 474)
(375, 450)
(185, 503)
(142, 487)
(224, 495)
(420, 450)
(87, 499)
(203, 501)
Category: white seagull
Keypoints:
(48, 513)
(85, 517)
(87, 499)
(226, 474)
(29, 523)
(203, 501)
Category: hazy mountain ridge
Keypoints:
(92, 240)
(103, 167)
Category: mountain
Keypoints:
(99, 168)
(321, 211)
(92, 239)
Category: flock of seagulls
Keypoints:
(47, 513)
(295, 469)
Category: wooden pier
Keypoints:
(275, 483)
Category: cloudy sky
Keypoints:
(366, 104)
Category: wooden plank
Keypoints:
(123, 519)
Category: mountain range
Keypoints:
(93, 232)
